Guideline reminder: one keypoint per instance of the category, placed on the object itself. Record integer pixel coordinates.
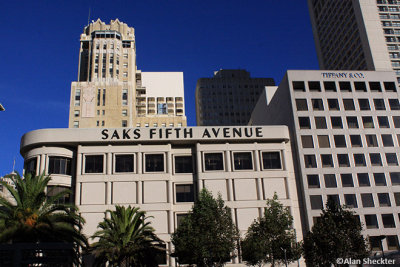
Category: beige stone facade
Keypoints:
(110, 91)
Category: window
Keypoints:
(314, 86)
(243, 161)
(347, 180)
(396, 121)
(76, 113)
(388, 221)
(352, 122)
(392, 242)
(316, 202)
(307, 141)
(124, 123)
(387, 140)
(317, 104)
(323, 141)
(154, 162)
(313, 181)
(98, 96)
(309, 161)
(162, 108)
(360, 86)
(363, 179)
(304, 123)
(334, 198)
(183, 164)
(383, 122)
(343, 160)
(30, 166)
(271, 160)
(327, 160)
(384, 200)
(350, 200)
(348, 104)
(299, 86)
(94, 163)
(391, 159)
(355, 141)
(395, 178)
(394, 104)
(380, 179)
(213, 161)
(124, 112)
(345, 86)
(364, 104)
(77, 97)
(180, 218)
(359, 160)
(368, 122)
(59, 165)
(375, 159)
(320, 122)
(367, 200)
(124, 163)
(333, 104)
(336, 122)
(371, 140)
(371, 221)
(375, 86)
(184, 193)
(330, 86)
(301, 104)
(330, 181)
(124, 97)
(54, 190)
(390, 86)
(340, 140)
(76, 124)
(379, 104)
(397, 198)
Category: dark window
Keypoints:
(375, 86)
(94, 164)
(330, 86)
(345, 86)
(183, 164)
(124, 163)
(395, 178)
(371, 221)
(359, 160)
(184, 193)
(384, 200)
(317, 104)
(391, 159)
(154, 162)
(360, 86)
(30, 166)
(392, 242)
(388, 221)
(307, 141)
(396, 121)
(54, 190)
(387, 140)
(363, 179)
(375, 159)
(299, 86)
(371, 140)
(379, 104)
(316, 202)
(340, 140)
(350, 200)
(309, 161)
(343, 160)
(383, 122)
(397, 198)
(304, 122)
(394, 104)
(380, 179)
(320, 123)
(367, 200)
(347, 180)
(313, 181)
(352, 122)
(59, 165)
(243, 161)
(301, 104)
(180, 218)
(333, 104)
(334, 198)
(355, 141)
(336, 122)
(364, 104)
(213, 161)
(323, 141)
(314, 86)
(271, 160)
(327, 160)
(390, 86)
(330, 181)
(348, 104)
(368, 122)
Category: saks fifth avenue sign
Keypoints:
(182, 133)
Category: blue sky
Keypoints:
(40, 43)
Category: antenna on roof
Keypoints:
(13, 165)
(88, 19)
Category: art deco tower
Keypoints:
(111, 92)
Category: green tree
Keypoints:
(207, 236)
(32, 217)
(126, 239)
(271, 238)
(336, 234)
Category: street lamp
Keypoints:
(284, 251)
(380, 238)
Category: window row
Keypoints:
(56, 165)
(352, 122)
(344, 86)
(353, 140)
(332, 104)
(343, 160)
(347, 179)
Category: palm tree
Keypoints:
(32, 217)
(125, 239)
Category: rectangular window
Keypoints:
(76, 113)
(76, 124)
(309, 161)
(326, 160)
(317, 104)
(372, 141)
(320, 123)
(162, 108)
(363, 179)
(343, 160)
(390, 86)
(345, 86)
(213, 161)
(104, 97)
(330, 181)
(54, 190)
(379, 104)
(313, 181)
(388, 221)
(359, 160)
(77, 97)
(307, 141)
(348, 104)
(352, 122)
(314, 86)
(333, 104)
(299, 86)
(395, 178)
(347, 180)
(124, 123)
(271, 160)
(124, 163)
(371, 221)
(316, 202)
(98, 96)
(392, 242)
(243, 161)
(59, 165)
(330, 86)
(301, 104)
(154, 162)
(387, 140)
(94, 164)
(396, 121)
(30, 166)
(380, 179)
(336, 122)
(340, 140)
(124, 112)
(375, 159)
(383, 122)
(364, 104)
(304, 123)
(384, 200)
(368, 122)
(397, 198)
(334, 198)
(367, 200)
(124, 97)
(394, 104)
(184, 193)
(323, 141)
(391, 159)
(360, 86)
(375, 86)
(355, 141)
(350, 200)
(183, 164)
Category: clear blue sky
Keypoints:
(40, 42)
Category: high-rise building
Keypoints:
(111, 92)
(228, 98)
(357, 34)
(345, 133)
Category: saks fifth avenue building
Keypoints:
(161, 170)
